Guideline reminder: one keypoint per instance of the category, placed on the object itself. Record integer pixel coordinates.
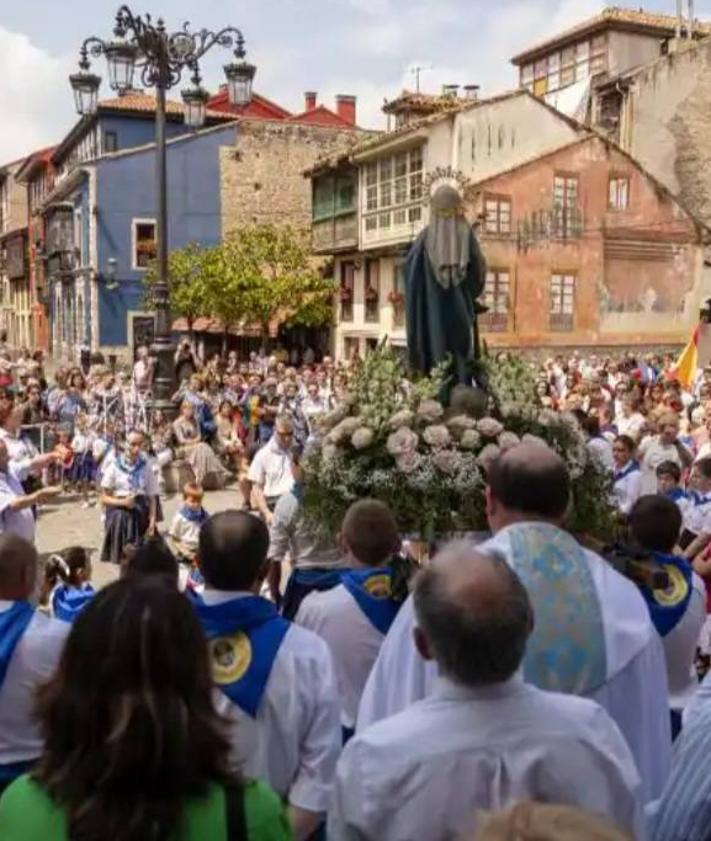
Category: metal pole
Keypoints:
(679, 18)
(690, 25)
(164, 380)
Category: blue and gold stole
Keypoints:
(666, 607)
(372, 589)
(244, 636)
(566, 651)
(68, 602)
(13, 624)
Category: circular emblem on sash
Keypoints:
(378, 586)
(230, 657)
(677, 589)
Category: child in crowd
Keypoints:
(696, 533)
(669, 485)
(65, 457)
(185, 530)
(83, 473)
(69, 575)
(102, 449)
(627, 477)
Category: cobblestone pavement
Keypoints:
(66, 524)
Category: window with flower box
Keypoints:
(145, 245)
(372, 290)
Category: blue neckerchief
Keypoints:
(632, 467)
(13, 624)
(195, 578)
(666, 607)
(131, 470)
(194, 516)
(371, 590)
(566, 651)
(68, 602)
(675, 494)
(699, 499)
(244, 636)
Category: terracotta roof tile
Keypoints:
(607, 19)
(423, 101)
(139, 102)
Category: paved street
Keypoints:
(68, 524)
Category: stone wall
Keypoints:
(261, 176)
(667, 122)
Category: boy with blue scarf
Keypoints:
(677, 612)
(354, 616)
(276, 680)
(187, 522)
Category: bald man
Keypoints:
(30, 647)
(483, 739)
(593, 635)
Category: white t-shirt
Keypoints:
(652, 453)
(22, 522)
(120, 483)
(271, 468)
(631, 426)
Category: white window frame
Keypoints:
(497, 291)
(134, 241)
(387, 218)
(618, 192)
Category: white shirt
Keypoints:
(635, 694)
(20, 450)
(22, 522)
(118, 483)
(652, 453)
(631, 425)
(626, 490)
(680, 646)
(697, 514)
(295, 739)
(353, 639)
(271, 468)
(186, 531)
(425, 772)
(33, 662)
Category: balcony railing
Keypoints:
(494, 322)
(346, 310)
(561, 321)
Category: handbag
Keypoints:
(236, 819)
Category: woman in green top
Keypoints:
(134, 750)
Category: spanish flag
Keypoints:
(684, 371)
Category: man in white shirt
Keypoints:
(270, 471)
(593, 635)
(483, 739)
(665, 446)
(16, 514)
(274, 680)
(354, 616)
(30, 647)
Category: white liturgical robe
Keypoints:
(424, 772)
(634, 693)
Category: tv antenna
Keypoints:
(417, 71)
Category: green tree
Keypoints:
(274, 277)
(189, 282)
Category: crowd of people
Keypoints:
(522, 688)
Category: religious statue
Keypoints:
(444, 275)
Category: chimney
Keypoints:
(471, 92)
(346, 108)
(310, 100)
(450, 90)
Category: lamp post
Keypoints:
(141, 45)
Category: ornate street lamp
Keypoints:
(195, 101)
(141, 45)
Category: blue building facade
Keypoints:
(100, 223)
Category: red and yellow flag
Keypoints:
(684, 370)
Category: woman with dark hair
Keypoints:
(134, 750)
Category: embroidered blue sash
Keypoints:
(194, 516)
(632, 467)
(13, 624)
(244, 636)
(566, 651)
(371, 589)
(68, 602)
(666, 607)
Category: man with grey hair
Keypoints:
(483, 738)
(593, 635)
(270, 471)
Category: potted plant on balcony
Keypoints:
(372, 296)
(397, 299)
(346, 294)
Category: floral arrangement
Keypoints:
(392, 439)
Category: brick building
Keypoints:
(15, 316)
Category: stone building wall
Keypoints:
(261, 176)
(666, 124)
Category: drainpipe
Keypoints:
(690, 27)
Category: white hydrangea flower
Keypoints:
(508, 440)
(490, 427)
(437, 436)
(488, 455)
(447, 461)
(401, 442)
(528, 438)
(404, 417)
(343, 431)
(460, 424)
(329, 453)
(430, 411)
(470, 439)
(362, 438)
(408, 462)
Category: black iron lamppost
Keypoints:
(160, 57)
